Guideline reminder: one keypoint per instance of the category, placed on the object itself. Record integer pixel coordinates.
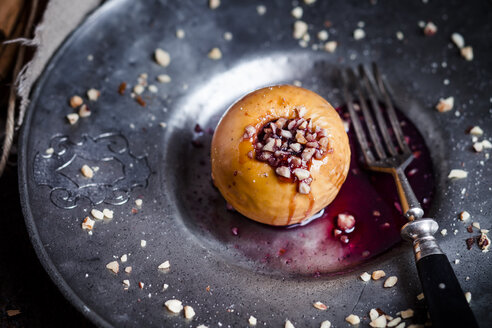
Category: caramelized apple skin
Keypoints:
(251, 186)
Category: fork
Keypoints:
(445, 300)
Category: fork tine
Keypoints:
(368, 117)
(391, 110)
(359, 131)
(377, 110)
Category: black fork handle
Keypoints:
(445, 299)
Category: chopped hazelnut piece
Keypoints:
(464, 216)
(189, 312)
(113, 266)
(87, 171)
(430, 29)
(345, 222)
(297, 12)
(138, 202)
(215, 54)
(162, 57)
(476, 131)
(420, 296)
(486, 144)
(359, 34)
(373, 314)
(394, 322)
(304, 188)
(390, 282)
(174, 306)
(302, 174)
(153, 88)
(330, 46)
(445, 104)
(252, 321)
(406, 314)
(325, 324)
(93, 94)
(213, 4)
(164, 266)
(300, 29)
(444, 232)
(84, 111)
(107, 213)
(320, 306)
(365, 276)
(76, 101)
(467, 53)
(283, 171)
(458, 40)
(165, 287)
(399, 35)
(126, 282)
(88, 223)
(138, 89)
(478, 147)
(288, 324)
(124, 258)
(457, 174)
(468, 297)
(353, 319)
(128, 269)
(49, 151)
(72, 118)
(378, 274)
(323, 35)
(379, 322)
(97, 214)
(143, 243)
(164, 78)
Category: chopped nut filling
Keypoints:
(88, 223)
(378, 274)
(124, 258)
(445, 104)
(373, 314)
(320, 306)
(76, 101)
(353, 319)
(162, 57)
(290, 146)
(457, 174)
(113, 266)
(93, 94)
(379, 322)
(164, 266)
(189, 312)
(365, 276)
(174, 306)
(128, 269)
(252, 321)
(390, 282)
(484, 242)
(87, 171)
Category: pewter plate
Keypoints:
(137, 158)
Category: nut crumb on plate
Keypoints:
(189, 312)
(373, 314)
(252, 321)
(457, 174)
(213, 4)
(379, 322)
(87, 171)
(138, 201)
(420, 296)
(76, 101)
(468, 297)
(174, 306)
(227, 36)
(408, 313)
(153, 88)
(359, 34)
(458, 40)
(261, 10)
(143, 243)
(93, 94)
(49, 151)
(365, 276)
(124, 258)
(126, 282)
(215, 54)
(128, 269)
(288, 324)
(330, 46)
(378, 274)
(399, 35)
(138, 89)
(300, 29)
(484, 242)
(390, 282)
(430, 29)
(320, 306)
(164, 266)
(88, 223)
(97, 214)
(467, 53)
(325, 324)
(72, 118)
(323, 35)
(113, 266)
(444, 232)
(476, 131)
(162, 57)
(180, 33)
(165, 287)
(353, 319)
(297, 12)
(141, 285)
(445, 104)
(394, 322)
(108, 213)
(163, 78)
(84, 111)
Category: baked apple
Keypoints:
(280, 154)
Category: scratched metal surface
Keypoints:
(138, 158)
